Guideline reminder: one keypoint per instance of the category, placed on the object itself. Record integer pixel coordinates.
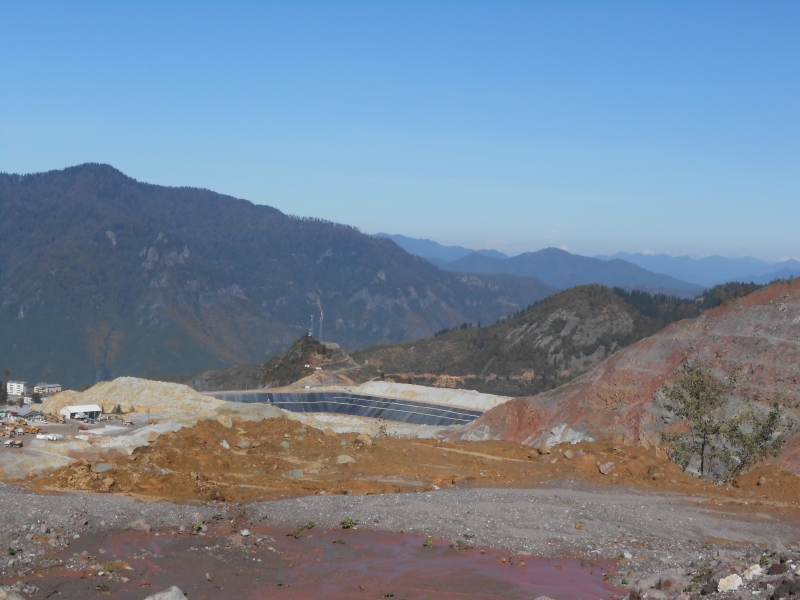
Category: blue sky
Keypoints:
(598, 126)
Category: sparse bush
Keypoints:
(348, 523)
(723, 445)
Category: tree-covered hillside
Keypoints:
(102, 275)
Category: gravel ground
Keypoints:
(653, 532)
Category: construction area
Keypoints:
(167, 475)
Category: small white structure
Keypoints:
(92, 411)
(47, 389)
(16, 388)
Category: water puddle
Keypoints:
(320, 564)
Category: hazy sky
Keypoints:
(599, 126)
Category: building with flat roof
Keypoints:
(16, 388)
(47, 389)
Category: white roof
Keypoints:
(82, 408)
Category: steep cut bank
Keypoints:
(617, 399)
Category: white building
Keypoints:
(47, 389)
(91, 411)
(16, 388)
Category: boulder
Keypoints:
(607, 467)
(363, 439)
(730, 583)
(225, 421)
(173, 593)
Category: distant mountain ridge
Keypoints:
(563, 270)
(711, 270)
(102, 275)
(428, 249)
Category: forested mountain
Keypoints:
(102, 275)
(563, 270)
(542, 347)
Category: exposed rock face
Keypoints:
(617, 400)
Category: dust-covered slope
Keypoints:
(549, 343)
(616, 400)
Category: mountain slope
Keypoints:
(563, 270)
(552, 342)
(102, 275)
(617, 399)
(711, 270)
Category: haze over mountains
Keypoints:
(698, 272)
(102, 275)
(712, 270)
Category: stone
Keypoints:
(672, 582)
(102, 468)
(293, 474)
(244, 532)
(606, 468)
(225, 444)
(543, 450)
(10, 595)
(569, 454)
(343, 459)
(244, 444)
(285, 445)
(108, 482)
(301, 430)
(363, 439)
(225, 421)
(173, 593)
(761, 481)
(328, 432)
(729, 583)
(140, 525)
(778, 569)
(752, 572)
(785, 589)
(152, 437)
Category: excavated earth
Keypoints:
(617, 400)
(223, 509)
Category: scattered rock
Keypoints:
(578, 525)
(244, 444)
(343, 459)
(173, 593)
(245, 532)
(225, 421)
(569, 454)
(140, 525)
(10, 595)
(285, 444)
(778, 569)
(294, 474)
(761, 481)
(752, 572)
(225, 444)
(102, 467)
(672, 582)
(729, 583)
(606, 468)
(543, 450)
(328, 432)
(363, 439)
(787, 588)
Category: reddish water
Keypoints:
(368, 565)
